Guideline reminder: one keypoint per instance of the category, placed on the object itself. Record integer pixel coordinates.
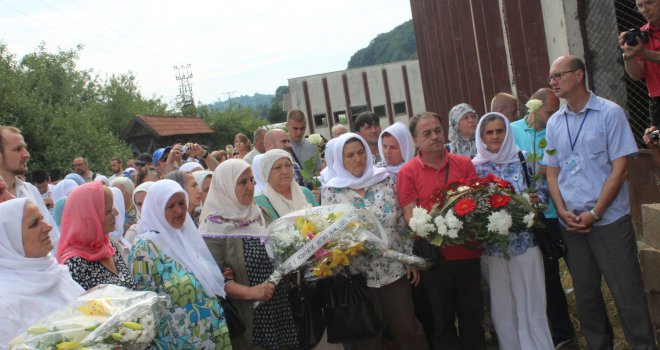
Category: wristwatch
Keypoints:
(625, 58)
(593, 213)
(206, 154)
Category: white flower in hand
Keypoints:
(314, 139)
(533, 105)
(439, 222)
(420, 222)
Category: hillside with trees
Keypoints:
(395, 45)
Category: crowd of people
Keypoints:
(195, 230)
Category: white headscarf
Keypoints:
(144, 187)
(222, 215)
(281, 204)
(400, 132)
(457, 143)
(326, 173)
(259, 183)
(31, 288)
(190, 167)
(508, 152)
(102, 179)
(185, 245)
(342, 178)
(118, 202)
(62, 189)
(200, 176)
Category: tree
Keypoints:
(276, 113)
(395, 45)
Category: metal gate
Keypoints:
(601, 22)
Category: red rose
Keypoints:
(464, 206)
(499, 200)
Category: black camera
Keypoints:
(655, 136)
(631, 36)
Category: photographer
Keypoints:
(641, 54)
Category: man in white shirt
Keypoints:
(42, 181)
(13, 162)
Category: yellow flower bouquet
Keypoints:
(106, 317)
(323, 241)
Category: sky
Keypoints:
(233, 47)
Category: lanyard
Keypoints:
(570, 139)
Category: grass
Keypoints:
(580, 342)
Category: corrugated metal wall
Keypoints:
(463, 55)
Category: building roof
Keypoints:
(173, 125)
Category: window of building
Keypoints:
(320, 119)
(379, 110)
(399, 108)
(355, 110)
(340, 117)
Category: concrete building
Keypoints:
(393, 91)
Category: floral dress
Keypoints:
(195, 320)
(90, 274)
(381, 200)
(518, 242)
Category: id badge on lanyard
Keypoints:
(572, 164)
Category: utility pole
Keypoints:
(183, 75)
(228, 93)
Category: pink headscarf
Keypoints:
(82, 225)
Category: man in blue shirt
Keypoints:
(529, 133)
(589, 142)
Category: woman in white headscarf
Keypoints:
(63, 188)
(395, 147)
(170, 257)
(203, 178)
(326, 173)
(516, 278)
(282, 194)
(33, 284)
(139, 194)
(462, 124)
(235, 230)
(187, 182)
(358, 182)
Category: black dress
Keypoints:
(89, 274)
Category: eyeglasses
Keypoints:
(77, 165)
(646, 4)
(559, 75)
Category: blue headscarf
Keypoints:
(75, 177)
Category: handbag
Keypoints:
(234, 323)
(349, 312)
(306, 308)
(548, 238)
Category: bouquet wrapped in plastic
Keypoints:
(106, 317)
(484, 210)
(323, 240)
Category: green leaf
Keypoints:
(543, 143)
(437, 241)
(551, 152)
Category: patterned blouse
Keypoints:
(90, 274)
(195, 319)
(519, 242)
(380, 199)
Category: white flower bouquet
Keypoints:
(485, 210)
(106, 317)
(323, 240)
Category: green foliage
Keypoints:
(65, 112)
(395, 45)
(231, 121)
(276, 113)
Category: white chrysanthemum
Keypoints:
(419, 222)
(453, 233)
(439, 222)
(452, 221)
(533, 105)
(500, 222)
(527, 197)
(529, 219)
(314, 139)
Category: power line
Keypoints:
(128, 38)
(109, 52)
(183, 75)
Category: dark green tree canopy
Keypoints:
(395, 45)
